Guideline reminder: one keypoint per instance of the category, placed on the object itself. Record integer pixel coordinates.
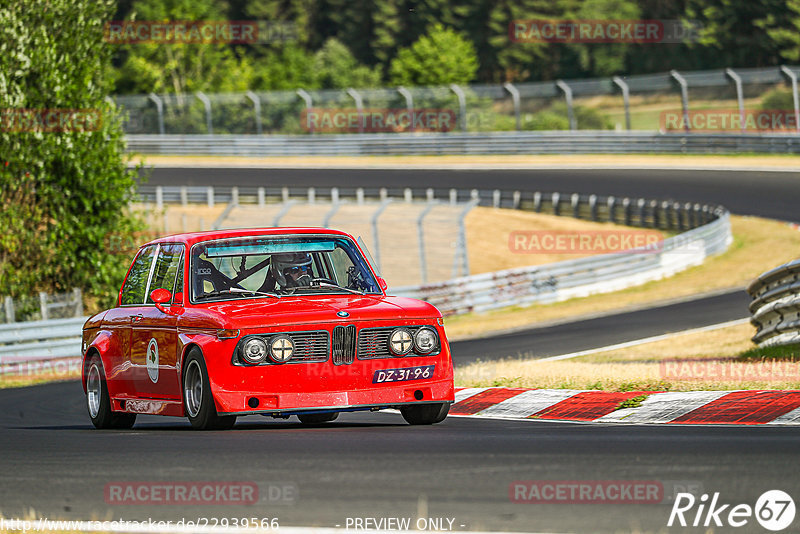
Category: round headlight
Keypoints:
(425, 340)
(254, 351)
(400, 342)
(281, 349)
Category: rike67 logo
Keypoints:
(774, 510)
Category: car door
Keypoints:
(120, 374)
(154, 337)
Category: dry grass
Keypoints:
(685, 362)
(759, 245)
(42, 373)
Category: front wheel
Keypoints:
(317, 418)
(425, 414)
(99, 403)
(197, 397)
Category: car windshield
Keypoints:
(272, 266)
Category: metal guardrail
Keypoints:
(504, 143)
(775, 307)
(576, 278)
(40, 340)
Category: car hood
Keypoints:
(251, 313)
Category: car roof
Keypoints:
(196, 237)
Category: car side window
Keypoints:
(136, 283)
(166, 268)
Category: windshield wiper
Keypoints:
(238, 291)
(334, 286)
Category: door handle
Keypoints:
(136, 318)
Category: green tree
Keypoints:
(336, 68)
(64, 190)
(180, 67)
(784, 30)
(441, 57)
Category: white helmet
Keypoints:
(281, 264)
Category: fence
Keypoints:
(776, 305)
(42, 307)
(618, 103)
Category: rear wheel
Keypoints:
(425, 414)
(317, 418)
(198, 402)
(99, 403)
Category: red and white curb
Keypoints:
(690, 407)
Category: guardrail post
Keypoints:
(334, 195)
(285, 194)
(453, 197)
(515, 99)
(593, 207)
(374, 223)
(429, 195)
(360, 196)
(262, 200)
(696, 216)
(302, 93)
(684, 96)
(625, 99)
(475, 195)
(43, 306)
(160, 109)
(461, 243)
(256, 110)
(515, 200)
(626, 210)
(235, 196)
(8, 303)
(640, 211)
(408, 196)
(423, 265)
(555, 200)
(567, 90)
(77, 295)
(679, 214)
(793, 78)
(667, 217)
(462, 104)
(159, 197)
(312, 195)
(206, 104)
(383, 194)
(359, 107)
(576, 202)
(687, 208)
(184, 196)
(654, 208)
(537, 202)
(409, 106)
(496, 198)
(612, 204)
(737, 80)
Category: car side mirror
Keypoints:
(161, 296)
(382, 283)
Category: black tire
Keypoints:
(197, 399)
(425, 414)
(98, 403)
(317, 418)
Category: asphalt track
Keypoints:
(762, 193)
(53, 462)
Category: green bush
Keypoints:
(778, 99)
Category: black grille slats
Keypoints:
(344, 344)
(310, 346)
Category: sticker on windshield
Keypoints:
(152, 360)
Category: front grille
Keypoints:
(373, 343)
(344, 344)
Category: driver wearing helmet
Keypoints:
(288, 270)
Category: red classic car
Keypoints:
(275, 322)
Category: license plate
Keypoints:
(403, 375)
